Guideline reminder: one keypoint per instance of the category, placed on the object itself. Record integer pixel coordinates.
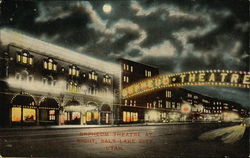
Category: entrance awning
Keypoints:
(23, 100)
(49, 103)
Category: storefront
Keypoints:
(23, 110)
(72, 114)
(48, 111)
(105, 114)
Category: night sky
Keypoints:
(174, 35)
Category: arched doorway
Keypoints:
(92, 114)
(105, 114)
(72, 113)
(48, 111)
(23, 109)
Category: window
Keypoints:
(50, 64)
(148, 73)
(52, 115)
(168, 94)
(29, 115)
(190, 95)
(131, 102)
(160, 103)
(107, 79)
(125, 79)
(24, 57)
(134, 102)
(16, 114)
(125, 102)
(73, 87)
(93, 75)
(128, 116)
(128, 68)
(74, 71)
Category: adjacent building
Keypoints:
(171, 104)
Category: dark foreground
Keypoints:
(169, 141)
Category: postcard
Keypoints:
(124, 79)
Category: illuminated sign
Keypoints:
(226, 78)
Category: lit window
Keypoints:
(89, 115)
(16, 114)
(45, 65)
(18, 58)
(124, 115)
(54, 67)
(126, 102)
(49, 64)
(93, 75)
(124, 66)
(25, 58)
(127, 67)
(29, 115)
(73, 87)
(131, 68)
(146, 73)
(30, 60)
(52, 115)
(96, 115)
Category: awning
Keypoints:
(23, 100)
(49, 103)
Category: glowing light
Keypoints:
(184, 78)
(59, 88)
(185, 108)
(107, 8)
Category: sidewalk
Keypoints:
(102, 126)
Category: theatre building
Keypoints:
(171, 104)
(44, 84)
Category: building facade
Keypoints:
(45, 84)
(171, 104)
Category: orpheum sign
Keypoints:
(226, 78)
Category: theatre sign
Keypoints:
(225, 78)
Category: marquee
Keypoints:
(225, 78)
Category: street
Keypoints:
(168, 141)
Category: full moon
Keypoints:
(107, 8)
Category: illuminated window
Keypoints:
(29, 115)
(126, 102)
(148, 73)
(168, 94)
(52, 115)
(96, 115)
(50, 64)
(18, 57)
(131, 68)
(73, 87)
(128, 116)
(75, 116)
(131, 102)
(125, 79)
(134, 102)
(127, 67)
(24, 57)
(16, 114)
(124, 115)
(93, 76)
(124, 66)
(106, 79)
(89, 116)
